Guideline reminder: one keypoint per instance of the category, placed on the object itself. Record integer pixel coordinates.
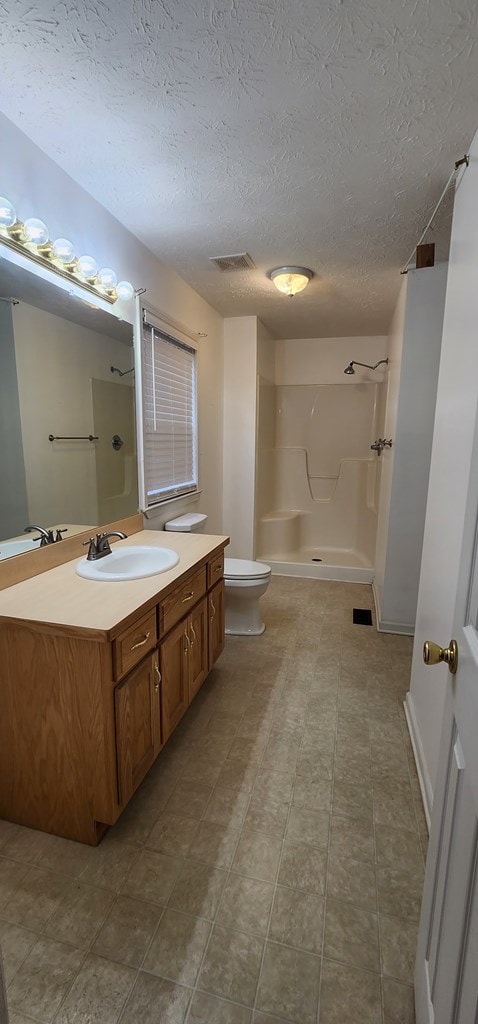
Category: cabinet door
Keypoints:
(216, 622)
(198, 651)
(138, 731)
(173, 654)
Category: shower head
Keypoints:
(350, 367)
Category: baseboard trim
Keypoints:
(383, 625)
(418, 753)
(396, 627)
(376, 601)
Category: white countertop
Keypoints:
(59, 597)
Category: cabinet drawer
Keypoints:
(132, 645)
(177, 605)
(215, 570)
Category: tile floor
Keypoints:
(269, 868)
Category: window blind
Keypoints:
(169, 417)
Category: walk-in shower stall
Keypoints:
(317, 479)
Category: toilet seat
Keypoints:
(243, 569)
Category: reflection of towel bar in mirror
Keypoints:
(86, 437)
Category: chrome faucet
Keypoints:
(100, 547)
(46, 536)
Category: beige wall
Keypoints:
(323, 360)
(394, 350)
(265, 463)
(265, 415)
(415, 345)
(36, 184)
(240, 374)
(265, 353)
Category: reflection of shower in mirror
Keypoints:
(122, 373)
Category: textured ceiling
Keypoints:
(318, 133)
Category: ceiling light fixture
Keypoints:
(291, 280)
(31, 238)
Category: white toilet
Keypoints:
(245, 582)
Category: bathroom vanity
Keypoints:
(95, 677)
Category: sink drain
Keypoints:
(316, 559)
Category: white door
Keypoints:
(446, 977)
(446, 980)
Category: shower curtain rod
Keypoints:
(458, 163)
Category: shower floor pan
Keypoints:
(343, 564)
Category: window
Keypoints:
(169, 417)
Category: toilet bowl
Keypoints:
(245, 582)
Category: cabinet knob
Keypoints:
(187, 643)
(213, 609)
(193, 631)
(188, 597)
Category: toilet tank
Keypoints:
(191, 522)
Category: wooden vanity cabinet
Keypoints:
(184, 665)
(134, 642)
(84, 714)
(216, 623)
(197, 652)
(138, 725)
(174, 679)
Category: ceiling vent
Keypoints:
(238, 261)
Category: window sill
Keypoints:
(161, 508)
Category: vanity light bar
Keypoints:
(31, 238)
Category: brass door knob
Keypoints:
(433, 654)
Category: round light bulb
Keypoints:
(8, 213)
(124, 291)
(63, 250)
(291, 280)
(107, 279)
(36, 231)
(87, 266)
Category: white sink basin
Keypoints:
(128, 563)
(17, 547)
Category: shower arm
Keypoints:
(367, 365)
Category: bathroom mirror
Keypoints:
(58, 390)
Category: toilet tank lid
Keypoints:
(186, 523)
(242, 568)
